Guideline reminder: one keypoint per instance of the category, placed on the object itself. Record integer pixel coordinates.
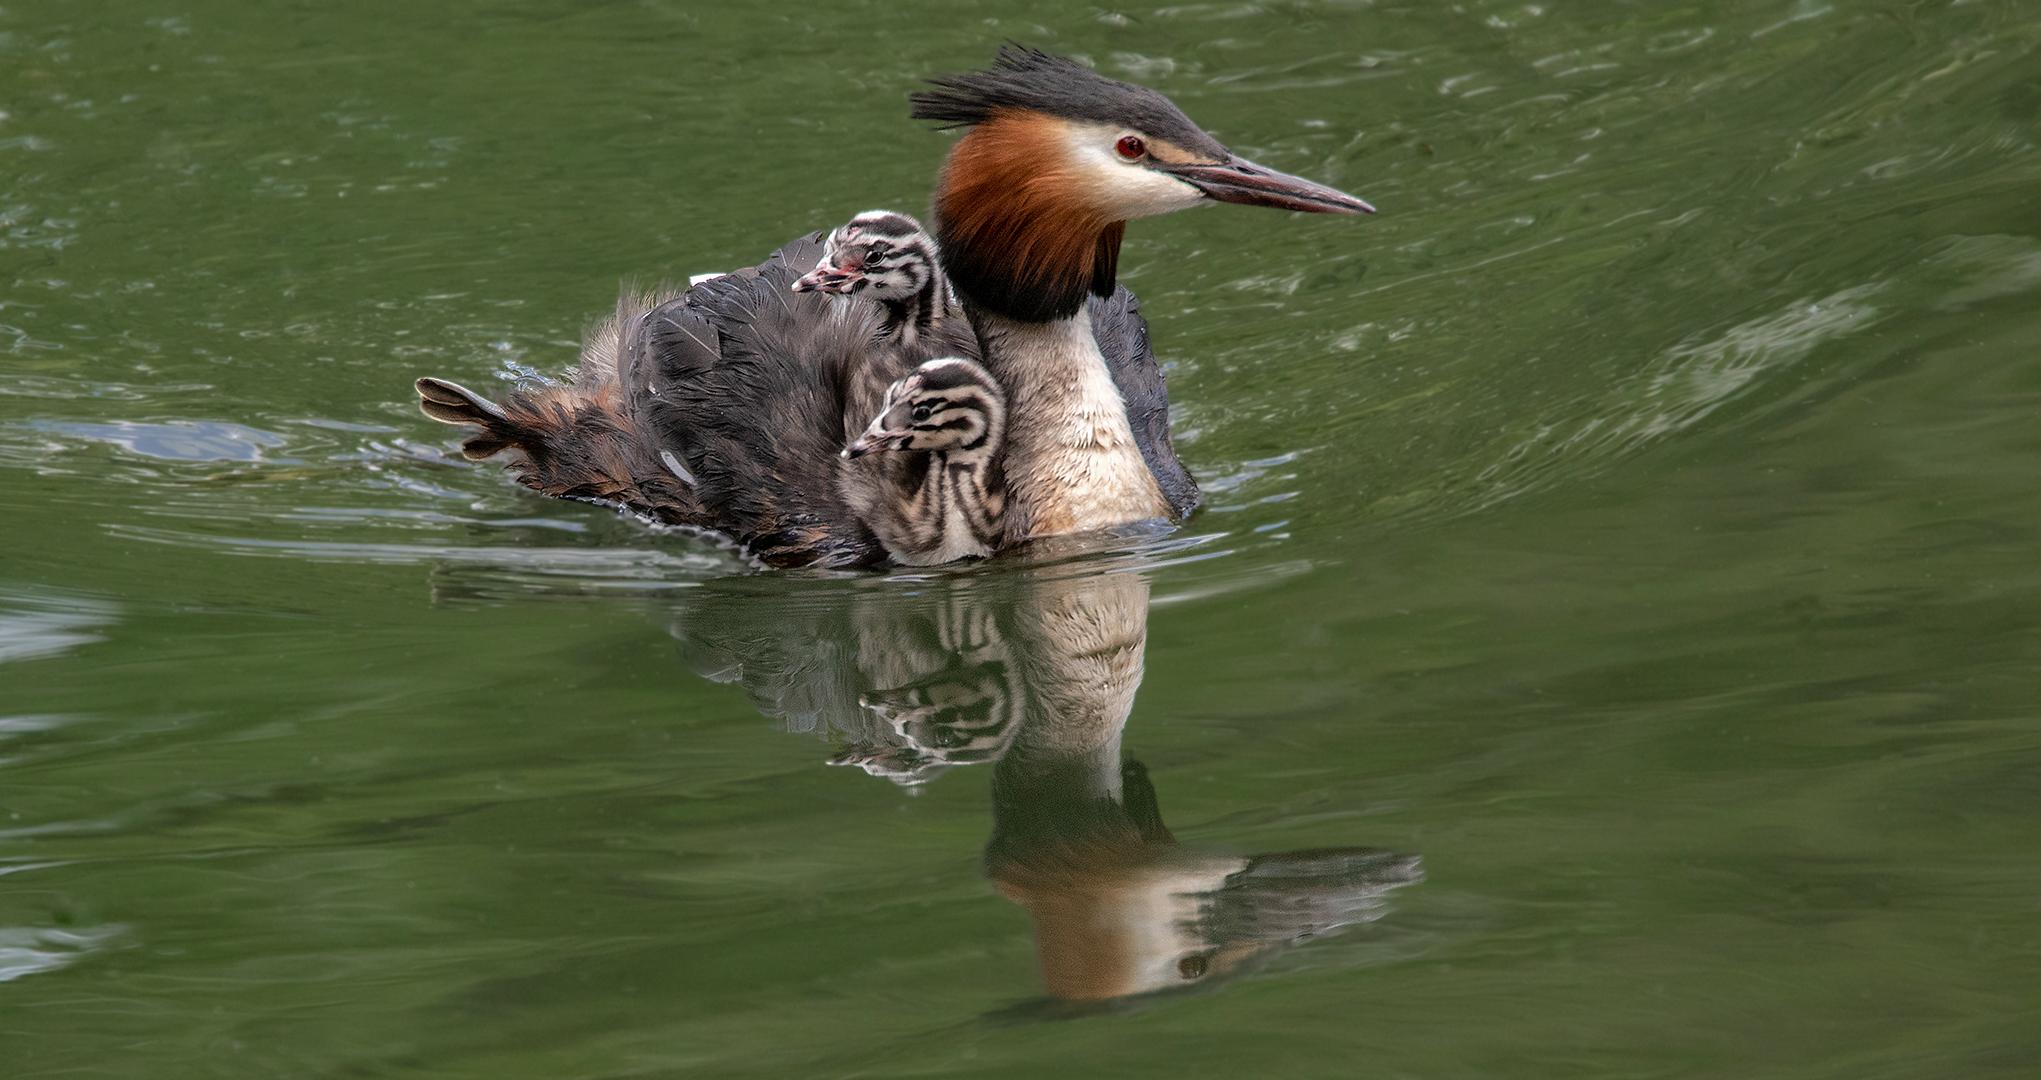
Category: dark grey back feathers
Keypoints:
(757, 389)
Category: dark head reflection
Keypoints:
(1035, 672)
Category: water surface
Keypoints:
(1607, 649)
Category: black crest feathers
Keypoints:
(1023, 77)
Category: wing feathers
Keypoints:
(1123, 337)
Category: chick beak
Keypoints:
(871, 442)
(1238, 180)
(828, 279)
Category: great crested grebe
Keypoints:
(1030, 211)
(725, 408)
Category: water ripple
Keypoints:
(26, 950)
(636, 567)
(35, 625)
(179, 440)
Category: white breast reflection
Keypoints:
(1035, 673)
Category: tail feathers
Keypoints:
(574, 442)
(452, 403)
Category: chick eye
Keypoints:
(920, 413)
(1130, 147)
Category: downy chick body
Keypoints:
(942, 495)
(938, 494)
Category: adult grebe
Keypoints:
(725, 408)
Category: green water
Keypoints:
(1632, 529)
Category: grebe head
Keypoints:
(886, 254)
(1033, 201)
(948, 404)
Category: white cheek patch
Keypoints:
(1120, 188)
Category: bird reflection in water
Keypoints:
(1035, 671)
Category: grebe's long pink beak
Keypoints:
(1238, 180)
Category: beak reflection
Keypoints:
(1121, 909)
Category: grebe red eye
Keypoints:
(1130, 147)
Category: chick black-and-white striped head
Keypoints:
(888, 255)
(948, 405)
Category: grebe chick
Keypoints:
(887, 257)
(944, 498)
